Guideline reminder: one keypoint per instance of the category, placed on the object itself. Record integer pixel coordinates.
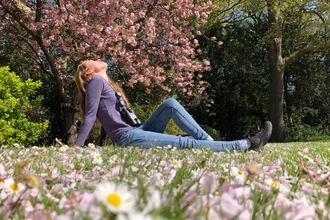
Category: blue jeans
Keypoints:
(150, 134)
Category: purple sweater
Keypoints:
(101, 103)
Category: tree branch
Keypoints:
(307, 50)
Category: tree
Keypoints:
(311, 19)
(152, 41)
(313, 16)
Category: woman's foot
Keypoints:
(260, 139)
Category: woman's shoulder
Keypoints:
(97, 79)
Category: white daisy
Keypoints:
(12, 187)
(277, 185)
(197, 151)
(64, 148)
(91, 145)
(97, 159)
(238, 174)
(116, 198)
(177, 164)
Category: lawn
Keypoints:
(285, 181)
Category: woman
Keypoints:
(98, 100)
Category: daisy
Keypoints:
(278, 186)
(64, 148)
(91, 145)
(97, 159)
(33, 180)
(116, 198)
(177, 164)
(238, 174)
(12, 187)
(197, 151)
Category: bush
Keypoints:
(304, 133)
(18, 104)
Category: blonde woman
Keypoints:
(98, 100)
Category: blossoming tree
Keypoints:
(152, 41)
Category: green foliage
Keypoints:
(238, 80)
(17, 102)
(304, 133)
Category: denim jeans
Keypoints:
(150, 134)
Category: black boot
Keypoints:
(259, 140)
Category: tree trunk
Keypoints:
(276, 68)
(276, 97)
(70, 127)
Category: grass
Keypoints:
(285, 181)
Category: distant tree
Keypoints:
(309, 20)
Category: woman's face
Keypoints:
(97, 66)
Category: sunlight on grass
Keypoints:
(285, 181)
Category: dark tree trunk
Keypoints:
(276, 68)
(70, 127)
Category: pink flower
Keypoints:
(310, 173)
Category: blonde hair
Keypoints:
(82, 79)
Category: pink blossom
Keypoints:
(310, 173)
(209, 183)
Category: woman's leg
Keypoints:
(140, 138)
(172, 109)
(147, 139)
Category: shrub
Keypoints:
(304, 133)
(17, 102)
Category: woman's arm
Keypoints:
(92, 98)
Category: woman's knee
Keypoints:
(170, 102)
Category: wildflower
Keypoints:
(277, 186)
(64, 148)
(253, 169)
(91, 145)
(310, 173)
(33, 180)
(273, 184)
(116, 198)
(177, 164)
(238, 174)
(13, 187)
(97, 159)
(197, 151)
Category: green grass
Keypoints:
(65, 177)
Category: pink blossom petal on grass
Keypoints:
(230, 208)
(277, 164)
(227, 187)
(237, 191)
(209, 183)
(282, 203)
(3, 172)
(302, 212)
